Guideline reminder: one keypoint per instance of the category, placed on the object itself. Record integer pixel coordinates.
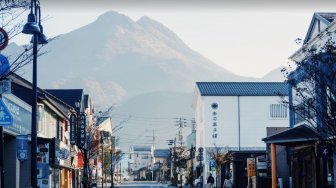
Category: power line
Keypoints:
(146, 116)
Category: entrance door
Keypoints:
(303, 169)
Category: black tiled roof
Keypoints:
(23, 90)
(243, 88)
(69, 96)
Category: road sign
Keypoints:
(6, 118)
(4, 65)
(212, 165)
(3, 39)
(251, 167)
(5, 86)
(22, 147)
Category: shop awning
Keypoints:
(293, 137)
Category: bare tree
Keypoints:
(12, 18)
(111, 160)
(220, 156)
(313, 83)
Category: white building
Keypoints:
(140, 157)
(234, 115)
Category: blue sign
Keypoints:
(212, 165)
(6, 118)
(21, 116)
(63, 154)
(73, 129)
(82, 130)
(4, 65)
(22, 147)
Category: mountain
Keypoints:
(118, 58)
(155, 111)
(141, 65)
(274, 76)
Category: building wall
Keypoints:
(241, 123)
(11, 164)
(17, 174)
(140, 160)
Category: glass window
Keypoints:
(278, 110)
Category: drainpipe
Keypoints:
(238, 123)
(291, 111)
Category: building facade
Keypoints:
(140, 157)
(234, 116)
(309, 161)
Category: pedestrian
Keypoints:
(227, 182)
(210, 181)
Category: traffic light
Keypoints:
(200, 154)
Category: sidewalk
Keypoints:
(184, 186)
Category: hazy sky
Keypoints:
(249, 37)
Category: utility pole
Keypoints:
(180, 123)
(2, 171)
(175, 164)
(102, 149)
(191, 175)
(120, 171)
(153, 156)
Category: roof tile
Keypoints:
(243, 88)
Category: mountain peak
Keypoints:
(145, 21)
(113, 17)
(149, 23)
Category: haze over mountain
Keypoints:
(141, 65)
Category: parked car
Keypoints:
(126, 178)
(94, 185)
(198, 182)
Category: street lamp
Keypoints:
(173, 169)
(111, 156)
(32, 28)
(102, 148)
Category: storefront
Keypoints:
(237, 167)
(58, 164)
(309, 162)
(20, 170)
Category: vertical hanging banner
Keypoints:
(22, 147)
(73, 129)
(82, 130)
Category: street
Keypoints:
(139, 184)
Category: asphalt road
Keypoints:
(139, 184)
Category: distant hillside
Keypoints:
(152, 111)
(142, 66)
(274, 76)
(118, 58)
